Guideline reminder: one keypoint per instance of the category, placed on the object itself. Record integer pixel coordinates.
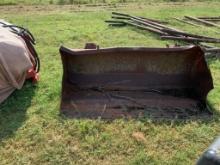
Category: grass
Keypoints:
(33, 132)
(63, 2)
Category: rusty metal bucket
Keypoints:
(135, 82)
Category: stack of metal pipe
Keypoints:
(158, 27)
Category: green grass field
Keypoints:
(62, 2)
(31, 128)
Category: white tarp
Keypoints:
(14, 62)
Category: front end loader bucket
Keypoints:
(133, 82)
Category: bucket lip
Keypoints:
(69, 51)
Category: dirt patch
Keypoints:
(10, 9)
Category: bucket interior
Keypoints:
(135, 82)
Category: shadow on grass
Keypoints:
(13, 110)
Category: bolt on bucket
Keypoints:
(133, 82)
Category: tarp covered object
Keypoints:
(15, 61)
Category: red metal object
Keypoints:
(33, 75)
(135, 82)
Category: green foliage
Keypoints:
(141, 158)
(61, 2)
(51, 2)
